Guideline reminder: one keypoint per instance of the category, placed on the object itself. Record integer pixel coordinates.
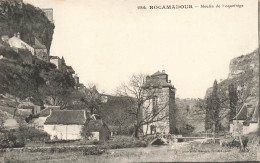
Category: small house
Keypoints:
(40, 50)
(38, 123)
(245, 122)
(99, 130)
(29, 108)
(65, 124)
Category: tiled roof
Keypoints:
(67, 117)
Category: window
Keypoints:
(155, 104)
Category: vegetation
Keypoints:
(141, 100)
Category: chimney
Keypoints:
(170, 81)
(51, 111)
(18, 35)
(163, 71)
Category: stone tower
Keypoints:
(161, 103)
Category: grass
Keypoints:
(150, 154)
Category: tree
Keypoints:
(213, 109)
(59, 86)
(114, 112)
(143, 100)
(233, 99)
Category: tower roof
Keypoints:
(158, 73)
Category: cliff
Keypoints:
(244, 74)
(31, 22)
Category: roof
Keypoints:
(95, 125)
(157, 80)
(66, 117)
(38, 45)
(54, 57)
(46, 112)
(242, 114)
(158, 73)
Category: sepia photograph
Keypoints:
(129, 81)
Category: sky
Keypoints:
(108, 41)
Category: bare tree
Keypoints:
(143, 108)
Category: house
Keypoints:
(245, 122)
(56, 61)
(161, 103)
(29, 108)
(99, 130)
(16, 43)
(39, 122)
(65, 124)
(40, 50)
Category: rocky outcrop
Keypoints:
(26, 19)
(244, 64)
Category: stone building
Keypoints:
(40, 51)
(56, 61)
(160, 104)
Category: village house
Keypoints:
(245, 122)
(40, 50)
(16, 43)
(65, 124)
(27, 108)
(56, 61)
(162, 100)
(38, 123)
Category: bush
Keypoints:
(30, 133)
(123, 142)
(232, 142)
(9, 140)
(93, 151)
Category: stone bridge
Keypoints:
(168, 139)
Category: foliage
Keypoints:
(10, 140)
(141, 100)
(59, 86)
(32, 134)
(85, 131)
(233, 98)
(123, 142)
(213, 109)
(114, 112)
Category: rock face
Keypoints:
(29, 21)
(243, 64)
